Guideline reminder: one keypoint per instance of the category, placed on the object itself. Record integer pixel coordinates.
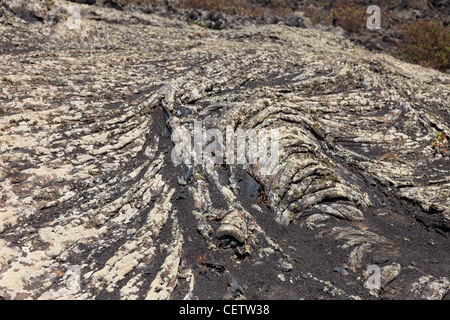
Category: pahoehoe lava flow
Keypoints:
(93, 207)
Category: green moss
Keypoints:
(200, 23)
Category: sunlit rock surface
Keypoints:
(93, 207)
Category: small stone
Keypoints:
(294, 20)
(268, 251)
(340, 270)
(240, 252)
(204, 229)
(234, 291)
(182, 195)
(378, 259)
(131, 231)
(286, 266)
(281, 277)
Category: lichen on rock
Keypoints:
(87, 117)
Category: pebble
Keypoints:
(181, 181)
(341, 271)
(378, 259)
(286, 266)
(204, 229)
(182, 195)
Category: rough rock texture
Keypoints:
(93, 207)
(29, 11)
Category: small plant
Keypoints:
(439, 143)
(263, 195)
(426, 42)
(200, 23)
(317, 14)
(202, 260)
